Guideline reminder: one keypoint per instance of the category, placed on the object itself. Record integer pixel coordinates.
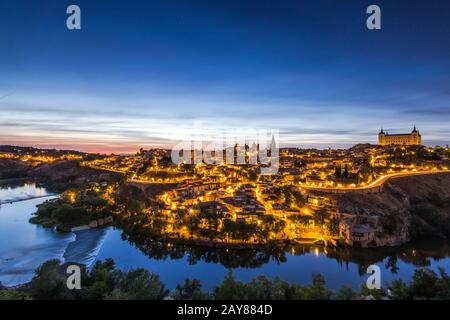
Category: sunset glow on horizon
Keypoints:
(141, 75)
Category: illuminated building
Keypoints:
(407, 139)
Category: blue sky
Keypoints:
(140, 73)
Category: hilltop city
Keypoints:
(230, 204)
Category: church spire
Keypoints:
(273, 144)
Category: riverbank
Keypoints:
(74, 212)
(51, 277)
(25, 199)
(26, 246)
(12, 181)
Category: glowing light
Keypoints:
(72, 197)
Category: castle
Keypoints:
(407, 139)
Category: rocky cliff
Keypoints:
(418, 204)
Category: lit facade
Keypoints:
(406, 139)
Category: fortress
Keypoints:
(407, 139)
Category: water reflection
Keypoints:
(420, 253)
(19, 190)
(229, 258)
(24, 247)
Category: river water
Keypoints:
(23, 247)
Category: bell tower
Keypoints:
(416, 137)
(381, 138)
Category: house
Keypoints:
(357, 234)
(209, 207)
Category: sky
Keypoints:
(144, 73)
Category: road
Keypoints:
(152, 182)
(378, 182)
(103, 169)
(131, 180)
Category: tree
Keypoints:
(135, 206)
(12, 294)
(317, 290)
(263, 288)
(366, 293)
(229, 289)
(239, 229)
(338, 171)
(346, 293)
(102, 280)
(190, 290)
(399, 290)
(47, 284)
(92, 203)
(140, 284)
(319, 217)
(252, 176)
(69, 215)
(424, 284)
(333, 227)
(443, 285)
(260, 288)
(299, 199)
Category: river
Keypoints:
(25, 246)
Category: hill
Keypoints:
(418, 205)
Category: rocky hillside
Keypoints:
(62, 175)
(11, 169)
(421, 204)
(143, 192)
(63, 169)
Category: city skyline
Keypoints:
(235, 140)
(141, 75)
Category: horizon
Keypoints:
(132, 152)
(141, 75)
(281, 145)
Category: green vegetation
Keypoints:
(408, 155)
(263, 288)
(12, 294)
(106, 282)
(208, 224)
(425, 284)
(71, 210)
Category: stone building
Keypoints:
(406, 139)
